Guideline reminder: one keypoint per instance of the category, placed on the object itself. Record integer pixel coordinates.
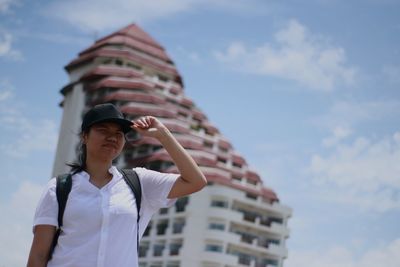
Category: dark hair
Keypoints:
(80, 162)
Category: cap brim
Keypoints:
(125, 124)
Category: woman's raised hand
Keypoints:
(149, 126)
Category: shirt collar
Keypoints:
(112, 170)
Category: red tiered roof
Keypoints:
(134, 37)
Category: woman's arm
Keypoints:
(191, 178)
(41, 244)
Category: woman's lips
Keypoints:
(110, 146)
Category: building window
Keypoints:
(222, 160)
(106, 61)
(143, 248)
(251, 196)
(277, 220)
(216, 226)
(181, 204)
(236, 178)
(162, 78)
(164, 211)
(195, 127)
(219, 203)
(162, 227)
(183, 115)
(178, 226)
(158, 249)
(249, 216)
(133, 66)
(174, 248)
(247, 238)
(265, 221)
(252, 182)
(208, 144)
(223, 149)
(213, 248)
(245, 259)
(237, 165)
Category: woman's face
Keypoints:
(104, 141)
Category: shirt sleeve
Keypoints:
(156, 187)
(47, 210)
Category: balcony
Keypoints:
(225, 213)
(222, 236)
(217, 257)
(250, 217)
(249, 239)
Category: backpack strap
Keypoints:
(132, 179)
(63, 188)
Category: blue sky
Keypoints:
(308, 92)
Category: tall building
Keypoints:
(235, 220)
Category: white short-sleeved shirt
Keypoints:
(99, 225)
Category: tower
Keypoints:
(236, 220)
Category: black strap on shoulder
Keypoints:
(63, 188)
(64, 185)
(132, 179)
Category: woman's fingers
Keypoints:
(144, 122)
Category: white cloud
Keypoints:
(6, 49)
(387, 256)
(297, 55)
(16, 224)
(339, 133)
(347, 115)
(365, 173)
(28, 135)
(99, 15)
(40, 135)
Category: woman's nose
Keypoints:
(112, 137)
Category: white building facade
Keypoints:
(235, 220)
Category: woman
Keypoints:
(99, 224)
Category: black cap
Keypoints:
(105, 113)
